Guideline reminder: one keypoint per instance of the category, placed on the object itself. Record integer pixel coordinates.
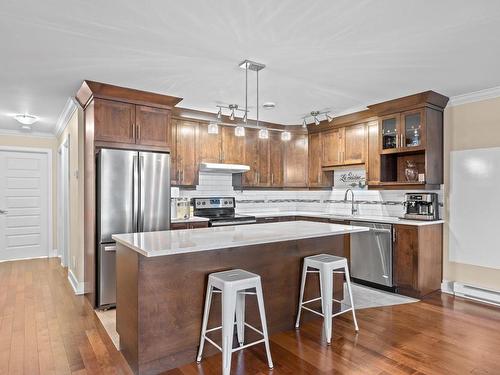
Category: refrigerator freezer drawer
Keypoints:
(106, 274)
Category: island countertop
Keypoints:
(153, 244)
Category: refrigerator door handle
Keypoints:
(141, 194)
(135, 193)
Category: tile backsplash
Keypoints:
(369, 202)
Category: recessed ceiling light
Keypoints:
(26, 119)
(269, 105)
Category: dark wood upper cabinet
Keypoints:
(233, 147)
(251, 155)
(114, 121)
(186, 157)
(152, 126)
(295, 161)
(316, 177)
(276, 162)
(354, 144)
(373, 154)
(264, 162)
(332, 147)
(208, 145)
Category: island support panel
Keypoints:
(160, 299)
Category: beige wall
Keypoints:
(469, 126)
(74, 129)
(39, 142)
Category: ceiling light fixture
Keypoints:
(233, 109)
(213, 128)
(219, 113)
(286, 136)
(269, 105)
(256, 67)
(26, 119)
(315, 115)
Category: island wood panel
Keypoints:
(168, 295)
(295, 161)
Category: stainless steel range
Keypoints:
(220, 211)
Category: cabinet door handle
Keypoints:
(402, 140)
(394, 235)
(133, 130)
(272, 178)
(138, 131)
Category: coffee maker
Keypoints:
(421, 206)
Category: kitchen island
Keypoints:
(161, 280)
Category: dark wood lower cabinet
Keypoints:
(418, 259)
(191, 225)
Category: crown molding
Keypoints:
(69, 108)
(22, 133)
(476, 96)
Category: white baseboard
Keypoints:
(75, 284)
(55, 254)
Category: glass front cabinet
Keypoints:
(402, 131)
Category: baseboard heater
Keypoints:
(491, 297)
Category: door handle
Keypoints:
(110, 248)
(138, 131)
(135, 193)
(141, 211)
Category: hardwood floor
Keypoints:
(46, 329)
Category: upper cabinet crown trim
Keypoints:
(91, 89)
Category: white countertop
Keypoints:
(151, 244)
(366, 218)
(192, 219)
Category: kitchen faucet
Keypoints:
(354, 210)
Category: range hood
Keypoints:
(223, 168)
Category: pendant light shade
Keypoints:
(239, 131)
(213, 128)
(286, 136)
(263, 133)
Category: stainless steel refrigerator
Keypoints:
(133, 195)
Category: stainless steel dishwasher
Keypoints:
(371, 254)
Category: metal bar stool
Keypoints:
(233, 285)
(326, 265)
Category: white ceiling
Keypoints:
(320, 55)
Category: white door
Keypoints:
(24, 205)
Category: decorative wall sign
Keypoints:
(349, 178)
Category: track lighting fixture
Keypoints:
(315, 115)
(232, 115)
(233, 109)
(219, 113)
